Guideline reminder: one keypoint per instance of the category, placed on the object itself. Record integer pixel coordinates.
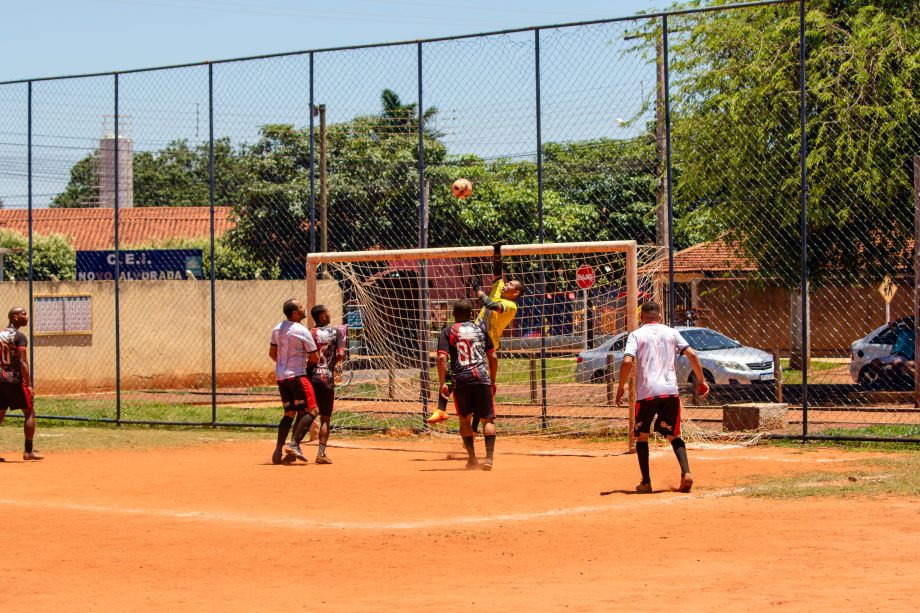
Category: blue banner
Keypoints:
(140, 265)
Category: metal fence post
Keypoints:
(667, 153)
(422, 242)
(117, 272)
(540, 230)
(213, 262)
(803, 222)
(29, 172)
(312, 166)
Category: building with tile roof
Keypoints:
(94, 228)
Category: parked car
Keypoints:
(877, 344)
(724, 360)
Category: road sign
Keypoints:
(584, 276)
(888, 289)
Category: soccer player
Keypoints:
(330, 343)
(653, 348)
(292, 349)
(473, 363)
(15, 379)
(499, 307)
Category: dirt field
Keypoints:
(398, 524)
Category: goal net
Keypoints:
(554, 361)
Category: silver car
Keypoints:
(724, 360)
(877, 344)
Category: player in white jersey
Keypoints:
(292, 348)
(330, 342)
(653, 348)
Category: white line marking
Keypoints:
(299, 522)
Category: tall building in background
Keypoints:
(106, 170)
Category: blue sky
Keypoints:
(60, 37)
(483, 88)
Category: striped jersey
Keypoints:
(10, 340)
(328, 339)
(466, 345)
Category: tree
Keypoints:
(373, 185)
(736, 135)
(177, 175)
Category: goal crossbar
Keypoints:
(471, 252)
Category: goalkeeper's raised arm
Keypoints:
(500, 304)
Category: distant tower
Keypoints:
(107, 165)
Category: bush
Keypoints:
(52, 255)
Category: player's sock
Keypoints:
(322, 450)
(28, 446)
(470, 450)
(303, 427)
(680, 450)
(642, 452)
(296, 423)
(490, 445)
(284, 427)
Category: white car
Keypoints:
(877, 344)
(725, 361)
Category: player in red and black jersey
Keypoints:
(473, 364)
(330, 343)
(15, 379)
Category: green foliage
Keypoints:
(82, 190)
(177, 175)
(736, 134)
(52, 256)
(231, 263)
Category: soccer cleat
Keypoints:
(323, 459)
(472, 464)
(487, 464)
(32, 455)
(294, 450)
(287, 460)
(437, 417)
(276, 457)
(644, 488)
(686, 482)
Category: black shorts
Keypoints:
(296, 393)
(667, 408)
(14, 397)
(325, 398)
(474, 400)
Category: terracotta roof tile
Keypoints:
(94, 229)
(715, 256)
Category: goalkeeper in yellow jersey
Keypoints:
(498, 309)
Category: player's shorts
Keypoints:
(474, 400)
(666, 408)
(325, 398)
(294, 393)
(14, 397)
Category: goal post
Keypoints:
(398, 300)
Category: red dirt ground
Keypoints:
(399, 525)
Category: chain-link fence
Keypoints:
(155, 220)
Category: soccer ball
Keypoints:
(462, 188)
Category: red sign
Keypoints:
(584, 276)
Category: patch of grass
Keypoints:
(896, 475)
(74, 438)
(794, 377)
(887, 431)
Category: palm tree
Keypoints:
(403, 118)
